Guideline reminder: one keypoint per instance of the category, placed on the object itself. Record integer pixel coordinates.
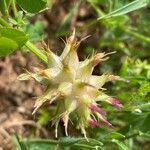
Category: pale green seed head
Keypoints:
(73, 88)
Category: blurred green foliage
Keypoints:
(123, 27)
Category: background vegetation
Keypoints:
(114, 25)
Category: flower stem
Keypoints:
(14, 8)
(136, 35)
(4, 23)
(4, 9)
(36, 51)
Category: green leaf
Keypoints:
(11, 39)
(2, 6)
(17, 143)
(18, 36)
(144, 88)
(38, 144)
(35, 31)
(115, 135)
(120, 144)
(62, 143)
(145, 127)
(93, 142)
(145, 135)
(124, 68)
(137, 4)
(68, 141)
(7, 46)
(32, 6)
(79, 143)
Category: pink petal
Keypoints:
(93, 107)
(105, 121)
(92, 123)
(115, 102)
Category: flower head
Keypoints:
(71, 85)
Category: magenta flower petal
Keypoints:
(103, 119)
(93, 107)
(115, 102)
(107, 123)
(92, 123)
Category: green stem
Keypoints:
(14, 8)
(29, 45)
(5, 9)
(110, 5)
(146, 105)
(84, 146)
(4, 23)
(130, 136)
(136, 35)
(47, 141)
(138, 78)
(36, 51)
(54, 142)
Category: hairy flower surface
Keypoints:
(71, 85)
